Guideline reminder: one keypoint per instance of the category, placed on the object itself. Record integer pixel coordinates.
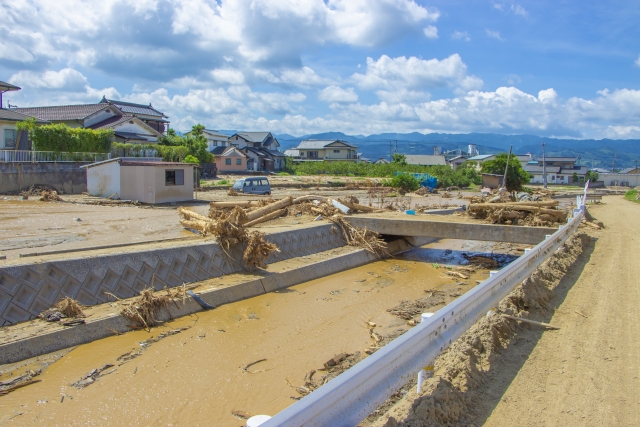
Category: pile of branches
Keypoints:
(544, 213)
(143, 311)
(65, 308)
(362, 238)
(50, 196)
(229, 227)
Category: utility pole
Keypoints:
(613, 169)
(390, 149)
(504, 178)
(544, 167)
(396, 146)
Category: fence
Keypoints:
(352, 396)
(28, 156)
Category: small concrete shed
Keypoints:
(147, 181)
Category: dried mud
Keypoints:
(449, 398)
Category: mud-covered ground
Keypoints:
(206, 375)
(584, 373)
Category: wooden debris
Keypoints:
(457, 274)
(533, 322)
(267, 217)
(335, 360)
(363, 238)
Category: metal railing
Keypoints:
(352, 396)
(28, 156)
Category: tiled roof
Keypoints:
(320, 144)
(254, 136)
(130, 107)
(255, 151)
(5, 87)
(62, 112)
(218, 151)
(112, 122)
(216, 134)
(13, 115)
(292, 152)
(480, 157)
(425, 160)
(627, 170)
(274, 153)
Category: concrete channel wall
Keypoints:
(30, 288)
(102, 327)
(64, 177)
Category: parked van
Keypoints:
(253, 185)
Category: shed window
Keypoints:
(227, 161)
(174, 177)
(238, 161)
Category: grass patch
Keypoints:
(222, 182)
(632, 195)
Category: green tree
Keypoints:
(404, 182)
(195, 143)
(190, 159)
(575, 178)
(592, 176)
(399, 159)
(516, 176)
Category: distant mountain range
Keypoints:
(592, 153)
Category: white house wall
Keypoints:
(135, 128)
(633, 180)
(99, 117)
(104, 180)
(3, 126)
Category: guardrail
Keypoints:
(28, 156)
(352, 396)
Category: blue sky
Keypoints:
(549, 68)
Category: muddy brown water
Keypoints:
(196, 377)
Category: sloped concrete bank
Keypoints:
(27, 289)
(454, 394)
(106, 321)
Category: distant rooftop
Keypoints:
(315, 144)
(426, 160)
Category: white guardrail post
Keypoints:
(352, 396)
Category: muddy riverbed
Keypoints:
(198, 376)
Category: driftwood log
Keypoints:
(242, 204)
(283, 203)
(266, 217)
(358, 207)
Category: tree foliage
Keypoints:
(592, 176)
(195, 143)
(399, 159)
(516, 176)
(404, 182)
(62, 138)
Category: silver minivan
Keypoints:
(253, 185)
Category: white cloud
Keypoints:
(403, 96)
(431, 32)
(337, 94)
(228, 75)
(303, 77)
(66, 79)
(638, 61)
(513, 79)
(494, 34)
(519, 10)
(461, 35)
(415, 73)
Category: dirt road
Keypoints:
(588, 372)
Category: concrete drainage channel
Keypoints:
(313, 266)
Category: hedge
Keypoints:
(61, 138)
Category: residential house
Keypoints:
(630, 171)
(261, 149)
(426, 160)
(329, 150)
(229, 159)
(560, 170)
(215, 139)
(381, 161)
(481, 158)
(455, 162)
(135, 123)
(10, 138)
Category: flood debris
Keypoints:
(23, 380)
(50, 196)
(241, 415)
(312, 380)
(94, 375)
(143, 311)
(65, 308)
(407, 309)
(540, 213)
(162, 335)
(362, 238)
(246, 368)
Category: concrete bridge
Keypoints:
(421, 226)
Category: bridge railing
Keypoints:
(352, 396)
